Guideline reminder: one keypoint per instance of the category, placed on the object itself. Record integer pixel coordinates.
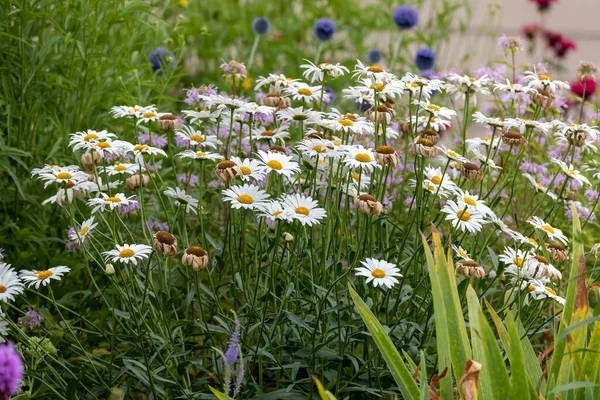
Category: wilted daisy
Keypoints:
(359, 157)
(280, 163)
(571, 172)
(128, 253)
(553, 233)
(249, 197)
(381, 272)
(317, 73)
(10, 284)
(471, 221)
(251, 169)
(43, 277)
(181, 198)
(199, 155)
(84, 229)
(195, 137)
(105, 201)
(303, 208)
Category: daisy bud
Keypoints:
(227, 170)
(133, 182)
(571, 195)
(424, 147)
(384, 114)
(596, 250)
(431, 135)
(89, 159)
(470, 268)
(110, 269)
(275, 100)
(471, 172)
(168, 122)
(386, 155)
(287, 237)
(195, 256)
(557, 252)
(513, 138)
(165, 243)
(278, 149)
(116, 394)
(368, 204)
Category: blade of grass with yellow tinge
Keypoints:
(323, 394)
(392, 358)
(592, 359)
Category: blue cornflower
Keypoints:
(161, 57)
(324, 29)
(261, 25)
(374, 56)
(330, 97)
(405, 17)
(425, 58)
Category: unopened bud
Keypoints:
(287, 237)
(110, 269)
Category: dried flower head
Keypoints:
(227, 170)
(168, 122)
(368, 204)
(513, 138)
(133, 182)
(557, 252)
(471, 172)
(165, 243)
(470, 268)
(423, 147)
(195, 256)
(386, 155)
(587, 70)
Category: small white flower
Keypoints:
(10, 284)
(280, 163)
(128, 253)
(123, 168)
(571, 172)
(359, 157)
(461, 218)
(274, 211)
(381, 272)
(251, 169)
(553, 233)
(105, 201)
(199, 155)
(316, 73)
(35, 278)
(249, 197)
(462, 253)
(131, 112)
(277, 134)
(304, 209)
(435, 111)
(81, 232)
(181, 198)
(195, 137)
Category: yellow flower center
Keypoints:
(463, 254)
(323, 65)
(84, 230)
(532, 241)
(305, 92)
(346, 122)
(463, 215)
(378, 273)
(120, 167)
(486, 138)
(531, 288)
(469, 201)
(90, 136)
(550, 291)
(41, 275)
(362, 157)
(572, 171)
(63, 175)
(245, 199)
(379, 87)
(436, 180)
(126, 253)
(268, 133)
(433, 107)
(200, 154)
(113, 199)
(545, 78)
(548, 228)
(518, 262)
(140, 147)
(197, 138)
(103, 145)
(430, 186)
(471, 79)
(451, 153)
(540, 186)
(302, 210)
(277, 213)
(336, 143)
(149, 114)
(245, 170)
(374, 68)
(274, 164)
(2, 288)
(355, 176)
(319, 149)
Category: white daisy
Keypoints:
(447, 154)
(81, 232)
(472, 202)
(105, 201)
(513, 88)
(249, 197)
(462, 219)
(195, 137)
(122, 168)
(538, 186)
(10, 284)
(278, 134)
(553, 233)
(544, 83)
(493, 122)
(35, 278)
(280, 163)
(381, 272)
(299, 114)
(462, 253)
(65, 175)
(84, 139)
(274, 211)
(514, 259)
(316, 73)
(359, 157)
(148, 115)
(199, 155)
(3, 327)
(304, 209)
(571, 172)
(304, 92)
(521, 125)
(435, 111)
(181, 198)
(130, 112)
(537, 290)
(200, 116)
(139, 150)
(539, 266)
(251, 169)
(128, 253)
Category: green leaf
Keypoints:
(324, 394)
(394, 361)
(493, 360)
(520, 385)
(423, 380)
(485, 387)
(218, 395)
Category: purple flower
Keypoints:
(591, 194)
(161, 57)
(261, 25)
(157, 225)
(405, 17)
(425, 58)
(31, 318)
(191, 180)
(233, 68)
(11, 370)
(72, 244)
(374, 56)
(131, 207)
(324, 29)
(233, 350)
(329, 97)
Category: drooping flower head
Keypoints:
(405, 17)
(161, 58)
(261, 25)
(425, 58)
(324, 29)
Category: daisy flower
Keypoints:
(251, 169)
(139, 150)
(544, 83)
(472, 202)
(86, 228)
(130, 112)
(439, 179)
(514, 259)
(435, 111)
(254, 108)
(199, 155)
(381, 272)
(539, 266)
(451, 155)
(459, 85)
(537, 290)
(128, 253)
(521, 125)
(316, 73)
(181, 198)
(84, 139)
(105, 201)
(195, 138)
(200, 116)
(462, 253)
(359, 157)
(424, 121)
(65, 175)
(471, 221)
(538, 186)
(304, 209)
(280, 163)
(123, 168)
(493, 122)
(148, 115)
(10, 284)
(274, 211)
(571, 172)
(281, 133)
(574, 131)
(249, 197)
(304, 92)
(290, 115)
(513, 88)
(553, 233)
(373, 72)
(35, 278)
